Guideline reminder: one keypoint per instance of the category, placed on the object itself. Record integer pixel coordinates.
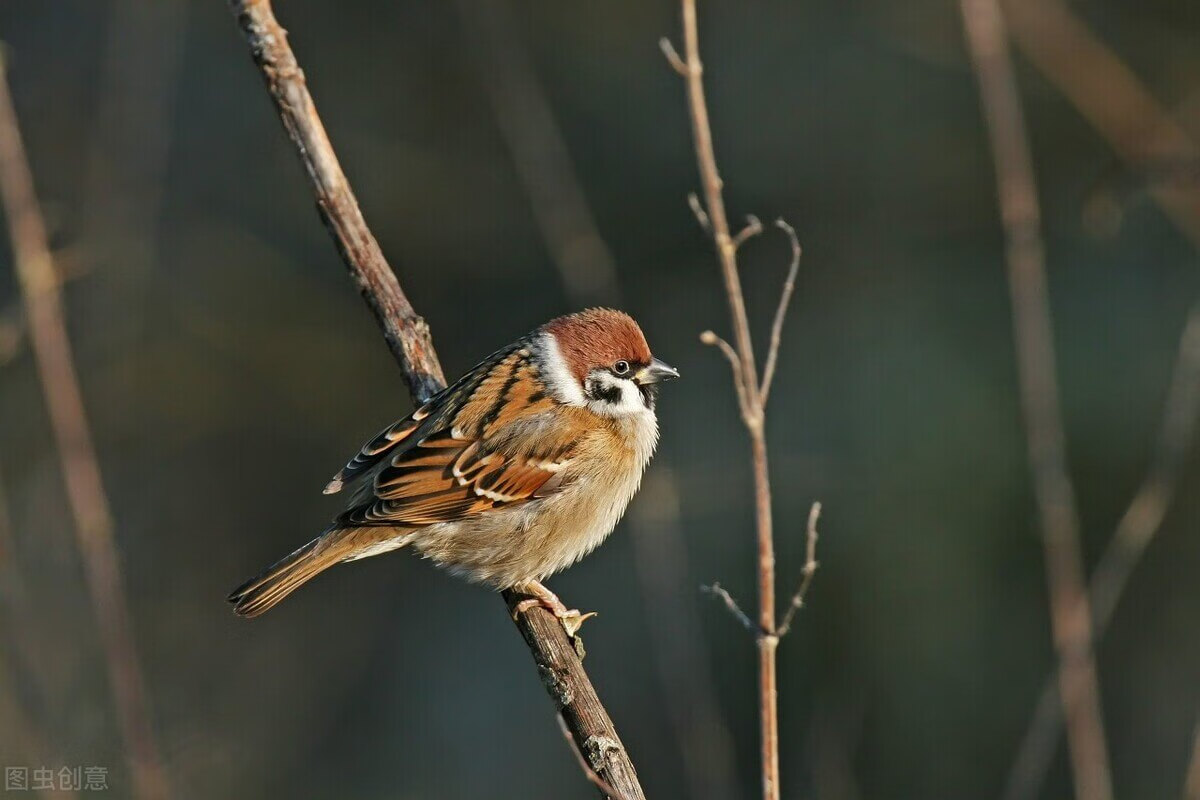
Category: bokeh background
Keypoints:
(229, 368)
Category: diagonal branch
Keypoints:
(1141, 132)
(407, 334)
(806, 573)
(1070, 614)
(720, 592)
(80, 465)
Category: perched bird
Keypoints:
(516, 471)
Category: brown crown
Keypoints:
(598, 337)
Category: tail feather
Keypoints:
(264, 591)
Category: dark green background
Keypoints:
(229, 368)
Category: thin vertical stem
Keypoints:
(1070, 615)
(77, 453)
(692, 70)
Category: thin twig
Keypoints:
(672, 55)
(1109, 95)
(750, 392)
(77, 454)
(807, 573)
(588, 772)
(407, 335)
(735, 363)
(1142, 132)
(1136, 528)
(701, 215)
(785, 300)
(1070, 617)
(752, 228)
(719, 591)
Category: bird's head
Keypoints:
(599, 358)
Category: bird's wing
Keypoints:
(501, 443)
(430, 418)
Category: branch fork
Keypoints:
(752, 389)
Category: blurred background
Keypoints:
(518, 160)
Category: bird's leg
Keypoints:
(539, 595)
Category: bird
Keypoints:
(512, 473)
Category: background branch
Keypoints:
(93, 521)
(1142, 132)
(407, 334)
(1070, 616)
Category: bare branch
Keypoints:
(719, 591)
(785, 300)
(589, 773)
(1070, 617)
(407, 335)
(735, 363)
(1143, 133)
(749, 394)
(752, 228)
(698, 209)
(80, 466)
(672, 55)
(1136, 528)
(806, 574)
(1110, 96)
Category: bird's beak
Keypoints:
(655, 372)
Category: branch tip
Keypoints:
(672, 56)
(693, 201)
(785, 300)
(807, 572)
(720, 592)
(752, 228)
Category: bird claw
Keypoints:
(571, 619)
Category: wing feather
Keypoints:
(488, 442)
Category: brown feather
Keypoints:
(598, 337)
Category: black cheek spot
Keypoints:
(601, 392)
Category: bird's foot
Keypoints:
(572, 620)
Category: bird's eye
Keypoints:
(621, 367)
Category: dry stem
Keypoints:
(751, 393)
(1070, 616)
(1143, 133)
(407, 334)
(807, 573)
(77, 453)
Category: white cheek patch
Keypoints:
(558, 377)
(622, 396)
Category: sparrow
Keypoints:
(512, 473)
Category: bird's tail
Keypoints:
(277, 581)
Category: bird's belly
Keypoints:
(508, 547)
